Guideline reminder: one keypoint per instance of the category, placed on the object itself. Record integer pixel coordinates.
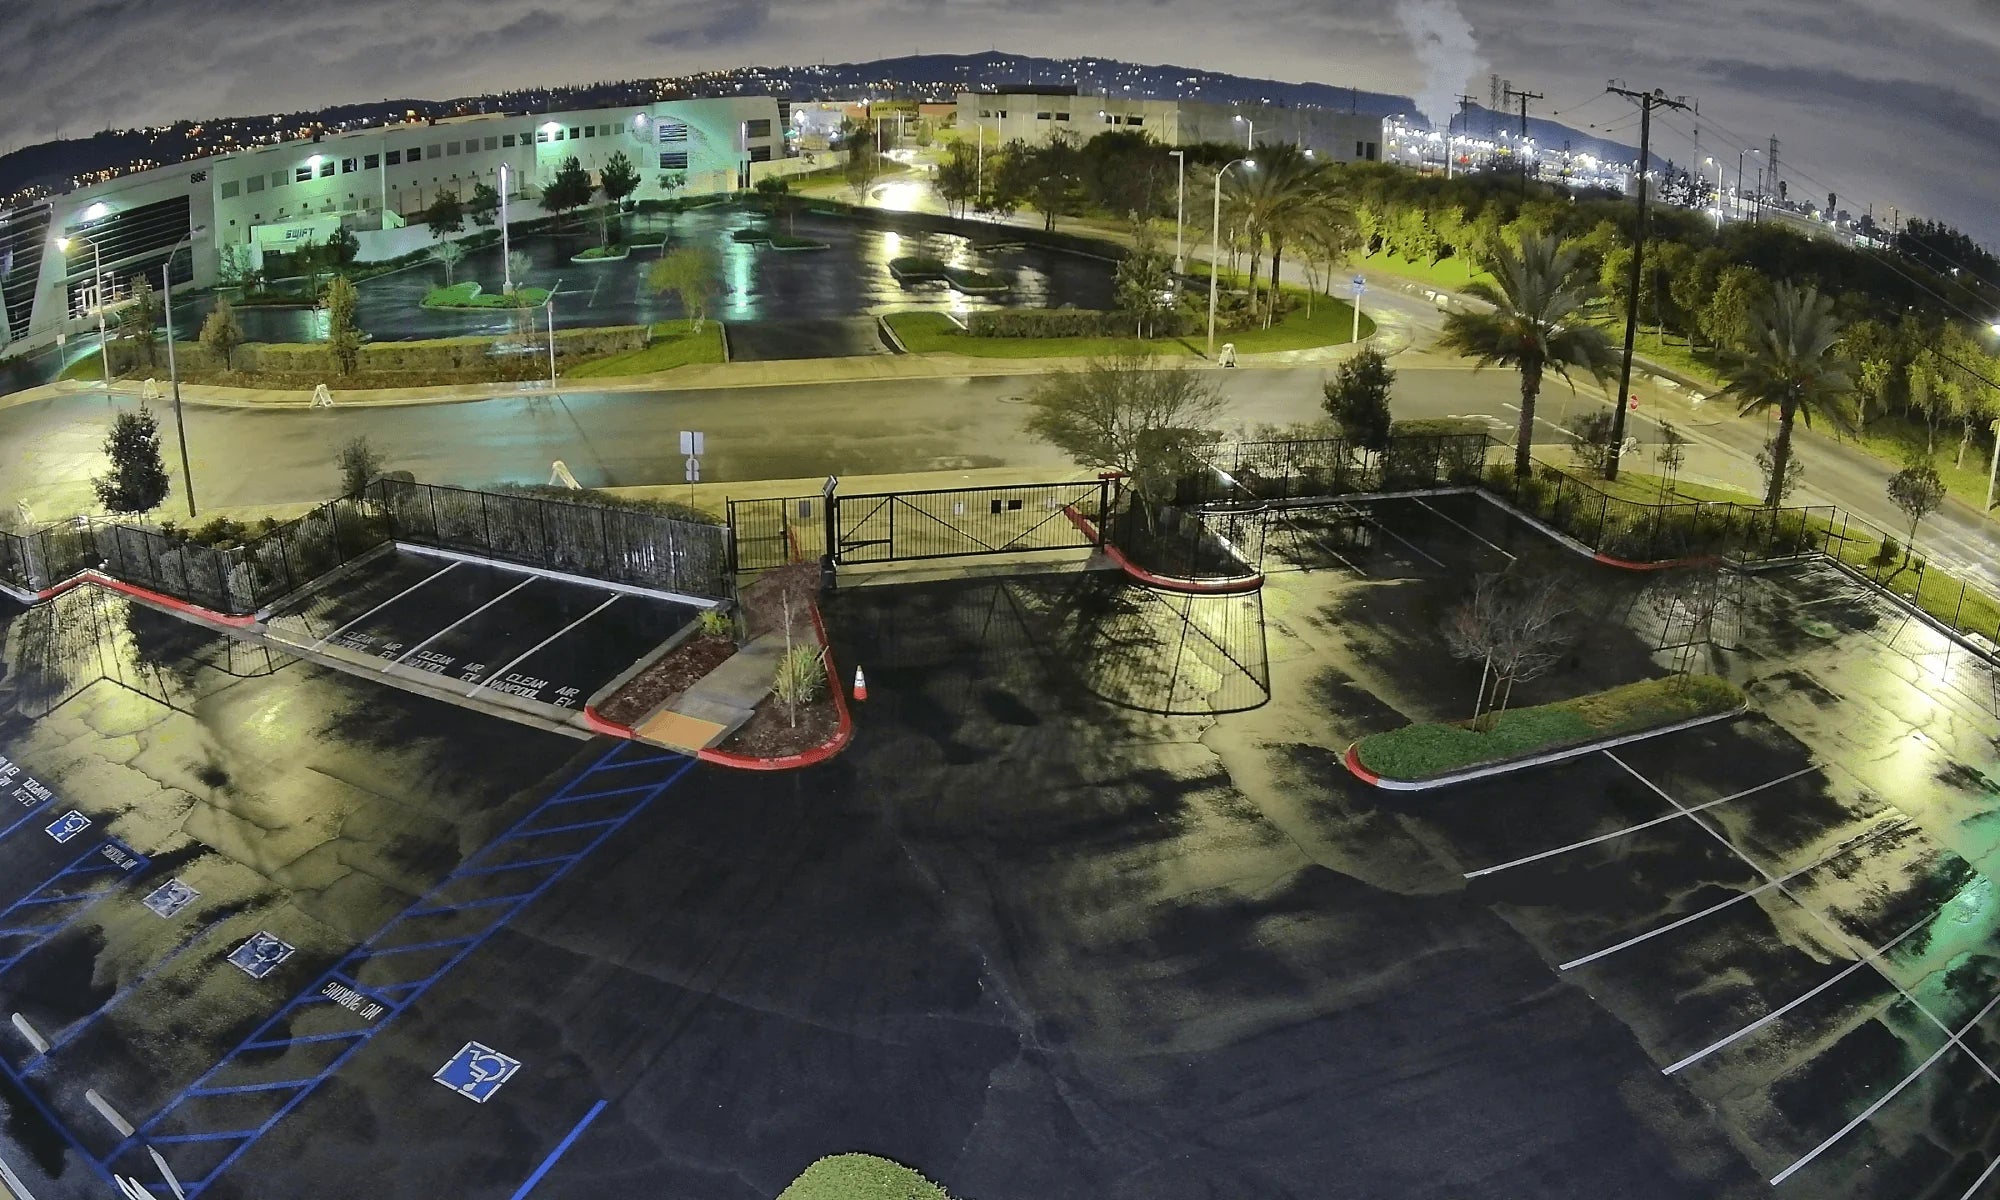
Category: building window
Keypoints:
(574, 133)
(416, 154)
(434, 151)
(673, 160)
(493, 143)
(541, 135)
(302, 174)
(253, 184)
(1041, 116)
(1000, 113)
(757, 129)
(672, 131)
(590, 131)
(370, 162)
(229, 190)
(327, 168)
(985, 114)
(452, 147)
(1107, 118)
(1062, 116)
(557, 136)
(506, 139)
(279, 179)
(760, 154)
(349, 164)
(1135, 120)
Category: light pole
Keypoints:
(173, 371)
(1215, 245)
(506, 260)
(549, 306)
(1993, 472)
(1249, 132)
(979, 164)
(97, 293)
(1180, 209)
(1738, 206)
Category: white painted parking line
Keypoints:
(1468, 530)
(1891, 1094)
(1661, 820)
(1983, 1177)
(1739, 897)
(462, 620)
(544, 642)
(378, 608)
(1370, 518)
(1839, 936)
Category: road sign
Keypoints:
(1632, 403)
(261, 955)
(691, 442)
(170, 898)
(476, 1072)
(1360, 286)
(693, 469)
(68, 826)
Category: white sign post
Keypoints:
(692, 443)
(1360, 286)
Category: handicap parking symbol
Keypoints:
(170, 898)
(69, 825)
(261, 955)
(476, 1072)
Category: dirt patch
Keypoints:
(769, 733)
(668, 678)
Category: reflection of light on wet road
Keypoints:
(903, 195)
(739, 268)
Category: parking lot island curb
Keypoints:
(1352, 758)
(1166, 583)
(156, 599)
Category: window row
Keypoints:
(1042, 116)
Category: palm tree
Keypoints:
(1791, 366)
(1536, 326)
(1267, 202)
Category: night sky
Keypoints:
(1885, 101)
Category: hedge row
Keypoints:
(429, 355)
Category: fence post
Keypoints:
(830, 512)
(437, 533)
(485, 525)
(333, 518)
(1103, 509)
(604, 536)
(1956, 612)
(1603, 514)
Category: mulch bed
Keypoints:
(769, 733)
(668, 678)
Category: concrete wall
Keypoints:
(1035, 117)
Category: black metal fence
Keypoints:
(777, 530)
(616, 544)
(951, 522)
(1220, 540)
(1282, 470)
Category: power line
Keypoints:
(1648, 101)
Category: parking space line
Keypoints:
(462, 620)
(544, 642)
(28, 816)
(1887, 1096)
(1660, 820)
(1371, 519)
(1840, 938)
(1983, 1177)
(1466, 528)
(378, 608)
(1770, 883)
(561, 1149)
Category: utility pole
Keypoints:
(1451, 156)
(1648, 101)
(1773, 156)
(1521, 147)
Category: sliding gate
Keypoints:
(874, 527)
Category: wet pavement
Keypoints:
(1028, 933)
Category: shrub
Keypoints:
(716, 623)
(1886, 552)
(861, 1177)
(800, 677)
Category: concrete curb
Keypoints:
(156, 599)
(1166, 583)
(1352, 758)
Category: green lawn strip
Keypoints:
(935, 333)
(1642, 488)
(861, 1177)
(1450, 274)
(1424, 751)
(675, 344)
(1331, 324)
(596, 253)
(1943, 595)
(89, 368)
(469, 295)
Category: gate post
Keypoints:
(829, 508)
(1103, 508)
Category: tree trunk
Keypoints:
(1524, 433)
(1271, 305)
(1479, 700)
(1781, 455)
(1256, 261)
(1963, 440)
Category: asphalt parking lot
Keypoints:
(554, 641)
(1030, 932)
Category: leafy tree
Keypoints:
(1049, 177)
(672, 181)
(617, 180)
(1357, 399)
(1917, 490)
(141, 317)
(359, 465)
(1144, 283)
(1932, 397)
(221, 333)
(778, 194)
(1729, 317)
(568, 189)
(137, 482)
(1590, 440)
(342, 247)
(861, 164)
(448, 255)
(445, 215)
(956, 180)
(1792, 368)
(1537, 325)
(691, 273)
(1782, 484)
(484, 207)
(1130, 413)
(517, 266)
(1669, 453)
(343, 336)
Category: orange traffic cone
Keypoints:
(860, 685)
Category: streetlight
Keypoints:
(1215, 245)
(1993, 472)
(979, 164)
(1739, 180)
(1249, 131)
(506, 263)
(96, 291)
(173, 371)
(1180, 211)
(550, 306)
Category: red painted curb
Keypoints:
(1166, 583)
(194, 611)
(804, 758)
(1353, 760)
(610, 728)
(1624, 564)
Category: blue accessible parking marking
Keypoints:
(167, 900)
(261, 955)
(477, 1071)
(68, 826)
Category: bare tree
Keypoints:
(1513, 623)
(448, 253)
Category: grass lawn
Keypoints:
(1331, 324)
(1896, 440)
(1451, 274)
(602, 252)
(1423, 751)
(861, 1177)
(90, 368)
(1936, 591)
(934, 333)
(675, 344)
(1647, 489)
(469, 295)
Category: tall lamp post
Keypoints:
(1215, 245)
(173, 371)
(506, 258)
(1249, 132)
(97, 294)
(1180, 210)
(1738, 206)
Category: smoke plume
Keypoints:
(1447, 51)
